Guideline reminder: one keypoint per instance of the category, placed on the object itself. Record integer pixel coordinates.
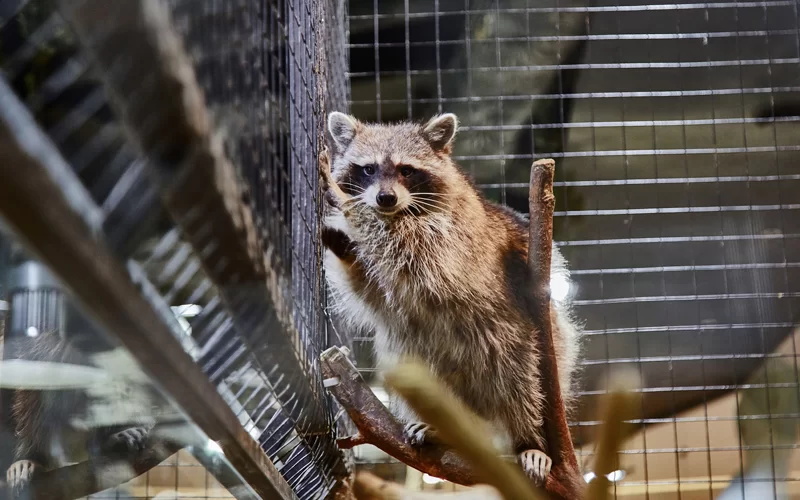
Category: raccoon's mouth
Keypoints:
(389, 212)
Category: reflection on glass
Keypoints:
(79, 417)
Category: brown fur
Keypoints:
(446, 280)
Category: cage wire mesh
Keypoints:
(674, 128)
(269, 71)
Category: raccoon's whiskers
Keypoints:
(426, 208)
(428, 203)
(355, 187)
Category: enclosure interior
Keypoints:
(675, 133)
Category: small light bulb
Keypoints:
(616, 476)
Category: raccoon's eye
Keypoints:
(369, 169)
(406, 171)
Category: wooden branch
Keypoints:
(349, 442)
(564, 480)
(87, 478)
(619, 406)
(378, 426)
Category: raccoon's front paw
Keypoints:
(19, 475)
(419, 433)
(133, 439)
(536, 465)
(333, 193)
(325, 169)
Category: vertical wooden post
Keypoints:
(564, 480)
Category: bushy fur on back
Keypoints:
(443, 276)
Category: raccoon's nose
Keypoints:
(386, 199)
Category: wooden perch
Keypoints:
(565, 480)
(619, 406)
(87, 478)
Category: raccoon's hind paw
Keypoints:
(133, 439)
(419, 433)
(536, 465)
(333, 193)
(19, 475)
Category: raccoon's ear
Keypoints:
(441, 130)
(343, 129)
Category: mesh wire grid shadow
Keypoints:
(675, 132)
(269, 71)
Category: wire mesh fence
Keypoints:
(268, 72)
(674, 128)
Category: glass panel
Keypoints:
(78, 411)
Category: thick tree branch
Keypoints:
(564, 480)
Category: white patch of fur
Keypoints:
(336, 220)
(370, 195)
(345, 302)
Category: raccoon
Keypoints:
(45, 428)
(414, 252)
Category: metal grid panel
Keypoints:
(675, 131)
(259, 64)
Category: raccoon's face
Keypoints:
(402, 169)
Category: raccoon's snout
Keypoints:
(386, 199)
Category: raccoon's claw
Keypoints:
(20, 473)
(325, 169)
(133, 439)
(333, 193)
(419, 433)
(536, 465)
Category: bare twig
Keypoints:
(377, 426)
(460, 428)
(619, 406)
(564, 480)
